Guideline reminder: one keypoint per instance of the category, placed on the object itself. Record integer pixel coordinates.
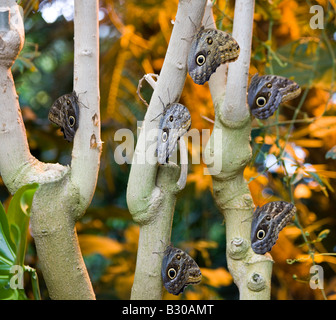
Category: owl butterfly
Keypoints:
(175, 122)
(179, 270)
(267, 222)
(266, 92)
(65, 113)
(209, 49)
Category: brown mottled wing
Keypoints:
(266, 92)
(179, 270)
(65, 113)
(267, 222)
(175, 122)
(209, 49)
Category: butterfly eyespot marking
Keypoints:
(200, 59)
(72, 121)
(171, 118)
(267, 86)
(209, 40)
(172, 273)
(267, 223)
(261, 234)
(164, 136)
(178, 270)
(261, 101)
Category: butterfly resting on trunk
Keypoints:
(267, 222)
(209, 49)
(65, 113)
(179, 270)
(174, 123)
(265, 93)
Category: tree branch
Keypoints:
(87, 143)
(251, 272)
(65, 192)
(151, 190)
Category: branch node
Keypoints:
(256, 282)
(145, 215)
(238, 248)
(12, 35)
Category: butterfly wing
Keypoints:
(175, 122)
(267, 223)
(179, 270)
(65, 113)
(209, 49)
(266, 92)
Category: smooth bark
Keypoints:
(250, 272)
(152, 189)
(65, 191)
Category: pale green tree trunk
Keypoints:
(65, 191)
(251, 272)
(152, 189)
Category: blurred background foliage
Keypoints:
(293, 154)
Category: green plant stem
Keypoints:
(34, 282)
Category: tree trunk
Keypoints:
(151, 190)
(251, 272)
(65, 192)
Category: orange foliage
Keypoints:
(96, 244)
(288, 26)
(216, 277)
(202, 182)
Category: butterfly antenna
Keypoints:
(247, 219)
(195, 27)
(195, 30)
(80, 102)
(206, 21)
(169, 97)
(158, 252)
(77, 98)
(161, 112)
(156, 117)
(163, 105)
(79, 93)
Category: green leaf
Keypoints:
(322, 182)
(323, 234)
(18, 218)
(300, 57)
(7, 247)
(7, 293)
(7, 257)
(331, 153)
(13, 239)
